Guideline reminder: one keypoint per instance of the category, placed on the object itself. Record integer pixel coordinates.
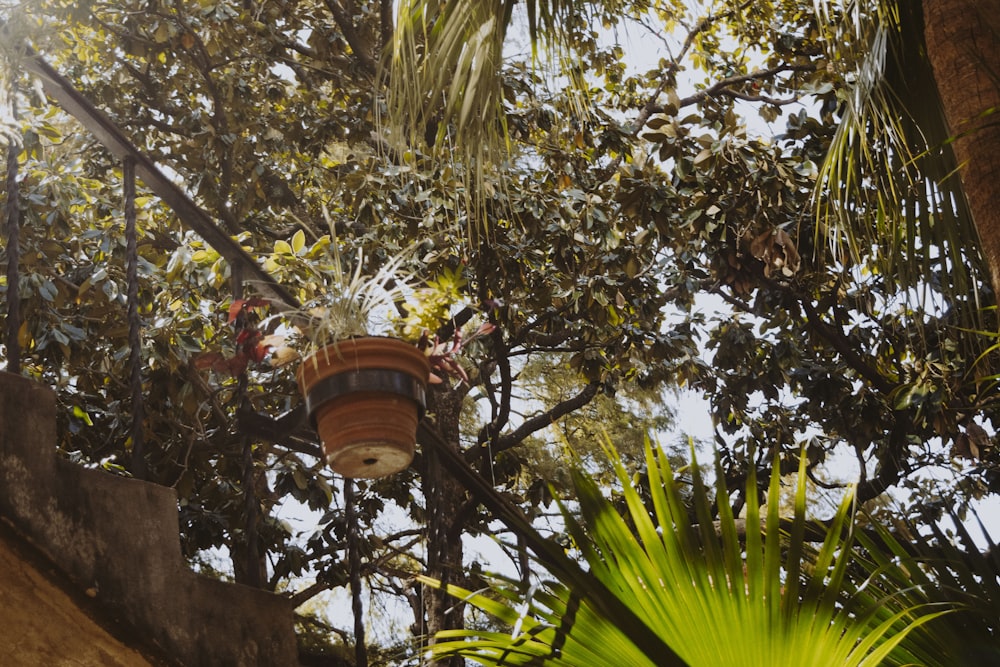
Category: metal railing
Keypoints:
(244, 270)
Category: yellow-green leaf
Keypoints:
(320, 246)
(81, 414)
(24, 335)
(298, 241)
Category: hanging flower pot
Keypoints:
(365, 397)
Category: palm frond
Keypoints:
(888, 194)
(954, 570)
(445, 98)
(444, 66)
(782, 603)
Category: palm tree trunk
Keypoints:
(963, 46)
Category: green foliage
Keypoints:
(892, 148)
(621, 208)
(432, 305)
(714, 594)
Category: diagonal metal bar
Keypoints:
(190, 214)
(551, 555)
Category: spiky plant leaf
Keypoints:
(888, 194)
(954, 570)
(693, 587)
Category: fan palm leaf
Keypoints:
(956, 569)
(712, 594)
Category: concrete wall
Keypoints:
(119, 537)
(46, 620)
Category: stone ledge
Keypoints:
(118, 537)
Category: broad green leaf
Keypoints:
(298, 242)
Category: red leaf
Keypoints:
(248, 337)
(235, 309)
(240, 305)
(259, 352)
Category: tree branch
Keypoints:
(361, 48)
(309, 592)
(838, 340)
(540, 421)
(759, 98)
(890, 466)
(721, 86)
(501, 409)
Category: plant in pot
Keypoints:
(365, 363)
(364, 393)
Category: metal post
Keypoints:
(13, 251)
(354, 561)
(138, 465)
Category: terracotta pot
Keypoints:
(365, 397)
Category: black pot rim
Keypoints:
(373, 380)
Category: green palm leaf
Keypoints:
(711, 596)
(445, 63)
(445, 100)
(888, 194)
(945, 569)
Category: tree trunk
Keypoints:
(445, 498)
(963, 46)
